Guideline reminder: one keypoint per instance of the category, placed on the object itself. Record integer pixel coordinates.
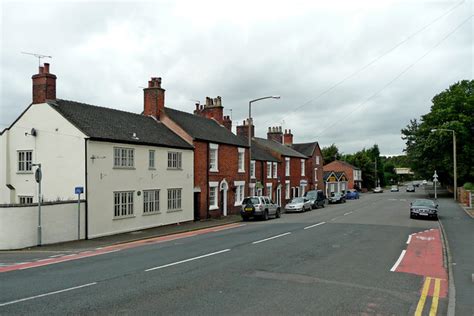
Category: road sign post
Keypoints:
(435, 180)
(78, 191)
(38, 177)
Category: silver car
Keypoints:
(259, 206)
(298, 204)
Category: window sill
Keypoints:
(24, 172)
(151, 168)
(151, 213)
(238, 204)
(124, 168)
(213, 170)
(176, 169)
(213, 207)
(174, 211)
(241, 171)
(116, 218)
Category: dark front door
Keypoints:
(197, 215)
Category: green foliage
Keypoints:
(469, 186)
(365, 160)
(428, 151)
(330, 153)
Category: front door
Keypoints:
(278, 196)
(197, 215)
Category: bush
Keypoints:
(469, 186)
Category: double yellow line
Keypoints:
(424, 294)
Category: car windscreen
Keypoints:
(251, 201)
(310, 194)
(297, 200)
(423, 203)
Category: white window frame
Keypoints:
(317, 160)
(175, 160)
(275, 170)
(151, 159)
(214, 205)
(241, 159)
(252, 169)
(174, 199)
(213, 155)
(287, 190)
(239, 192)
(315, 174)
(151, 201)
(252, 189)
(287, 166)
(302, 165)
(25, 199)
(124, 157)
(123, 204)
(269, 189)
(25, 159)
(269, 170)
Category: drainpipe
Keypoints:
(86, 214)
(207, 183)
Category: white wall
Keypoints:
(18, 225)
(58, 146)
(103, 180)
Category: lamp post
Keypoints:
(250, 129)
(454, 158)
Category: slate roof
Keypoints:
(344, 163)
(326, 175)
(306, 149)
(107, 124)
(201, 128)
(260, 153)
(279, 148)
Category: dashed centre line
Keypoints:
(270, 238)
(187, 260)
(345, 214)
(308, 227)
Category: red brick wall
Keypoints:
(310, 165)
(228, 170)
(338, 166)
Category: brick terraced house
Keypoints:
(314, 164)
(353, 174)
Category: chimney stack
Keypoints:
(288, 138)
(44, 85)
(154, 98)
(213, 109)
(227, 123)
(243, 130)
(275, 134)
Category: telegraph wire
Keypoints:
(372, 62)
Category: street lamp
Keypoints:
(454, 157)
(250, 129)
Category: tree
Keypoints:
(330, 153)
(428, 151)
(365, 161)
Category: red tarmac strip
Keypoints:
(114, 248)
(424, 256)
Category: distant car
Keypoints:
(378, 190)
(410, 188)
(424, 208)
(424, 182)
(316, 197)
(394, 188)
(298, 204)
(352, 195)
(259, 206)
(337, 198)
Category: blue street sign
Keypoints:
(79, 190)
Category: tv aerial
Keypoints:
(39, 56)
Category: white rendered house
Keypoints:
(136, 173)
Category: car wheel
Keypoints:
(278, 214)
(265, 216)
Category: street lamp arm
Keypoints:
(263, 98)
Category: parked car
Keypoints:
(424, 182)
(394, 188)
(378, 190)
(259, 206)
(337, 198)
(424, 208)
(298, 204)
(410, 188)
(316, 197)
(352, 195)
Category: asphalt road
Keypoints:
(330, 261)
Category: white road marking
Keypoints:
(47, 294)
(187, 260)
(345, 214)
(26, 262)
(392, 199)
(403, 200)
(332, 220)
(315, 225)
(54, 256)
(270, 238)
(395, 266)
(409, 239)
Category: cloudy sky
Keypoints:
(351, 73)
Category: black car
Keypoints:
(316, 197)
(410, 188)
(424, 208)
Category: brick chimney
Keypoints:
(227, 123)
(243, 130)
(44, 85)
(154, 98)
(275, 134)
(288, 138)
(213, 109)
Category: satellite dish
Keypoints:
(33, 132)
